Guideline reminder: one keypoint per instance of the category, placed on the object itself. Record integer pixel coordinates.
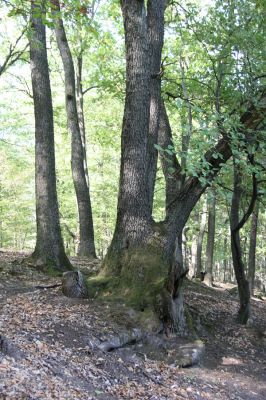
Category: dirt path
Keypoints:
(55, 356)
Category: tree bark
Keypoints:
(200, 241)
(155, 26)
(252, 248)
(144, 255)
(236, 225)
(49, 250)
(134, 222)
(170, 165)
(225, 261)
(81, 117)
(78, 151)
(208, 279)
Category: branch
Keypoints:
(250, 121)
(89, 88)
(252, 201)
(13, 54)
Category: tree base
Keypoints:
(243, 314)
(47, 264)
(142, 283)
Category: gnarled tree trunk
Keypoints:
(49, 250)
(144, 255)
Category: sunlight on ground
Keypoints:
(232, 361)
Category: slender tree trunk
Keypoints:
(252, 248)
(188, 125)
(155, 18)
(193, 266)
(81, 118)
(208, 279)
(200, 241)
(170, 165)
(80, 177)
(225, 262)
(171, 297)
(49, 250)
(236, 225)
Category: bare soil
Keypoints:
(53, 352)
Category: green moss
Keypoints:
(142, 275)
(99, 285)
(51, 271)
(189, 322)
(148, 320)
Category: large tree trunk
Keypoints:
(143, 255)
(208, 279)
(49, 250)
(86, 244)
(252, 248)
(134, 222)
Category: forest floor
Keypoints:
(49, 345)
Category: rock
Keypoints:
(74, 285)
(115, 342)
(191, 354)
(9, 349)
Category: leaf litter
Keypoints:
(55, 352)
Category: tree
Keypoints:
(78, 150)
(210, 241)
(133, 225)
(252, 247)
(236, 224)
(200, 241)
(146, 255)
(49, 249)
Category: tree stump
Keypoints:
(74, 285)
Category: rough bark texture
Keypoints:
(143, 253)
(252, 248)
(86, 244)
(49, 248)
(74, 285)
(133, 224)
(170, 165)
(210, 241)
(171, 296)
(155, 19)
